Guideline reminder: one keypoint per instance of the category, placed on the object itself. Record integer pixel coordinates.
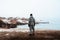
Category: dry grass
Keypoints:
(39, 35)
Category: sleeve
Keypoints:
(34, 22)
(29, 22)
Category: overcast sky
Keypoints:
(41, 9)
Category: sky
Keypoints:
(41, 9)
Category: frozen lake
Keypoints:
(42, 27)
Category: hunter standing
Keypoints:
(31, 24)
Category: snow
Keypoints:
(14, 30)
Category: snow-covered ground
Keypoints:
(14, 30)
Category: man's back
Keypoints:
(31, 21)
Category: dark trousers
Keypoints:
(32, 30)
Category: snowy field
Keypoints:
(14, 30)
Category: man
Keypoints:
(31, 24)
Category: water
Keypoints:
(42, 26)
